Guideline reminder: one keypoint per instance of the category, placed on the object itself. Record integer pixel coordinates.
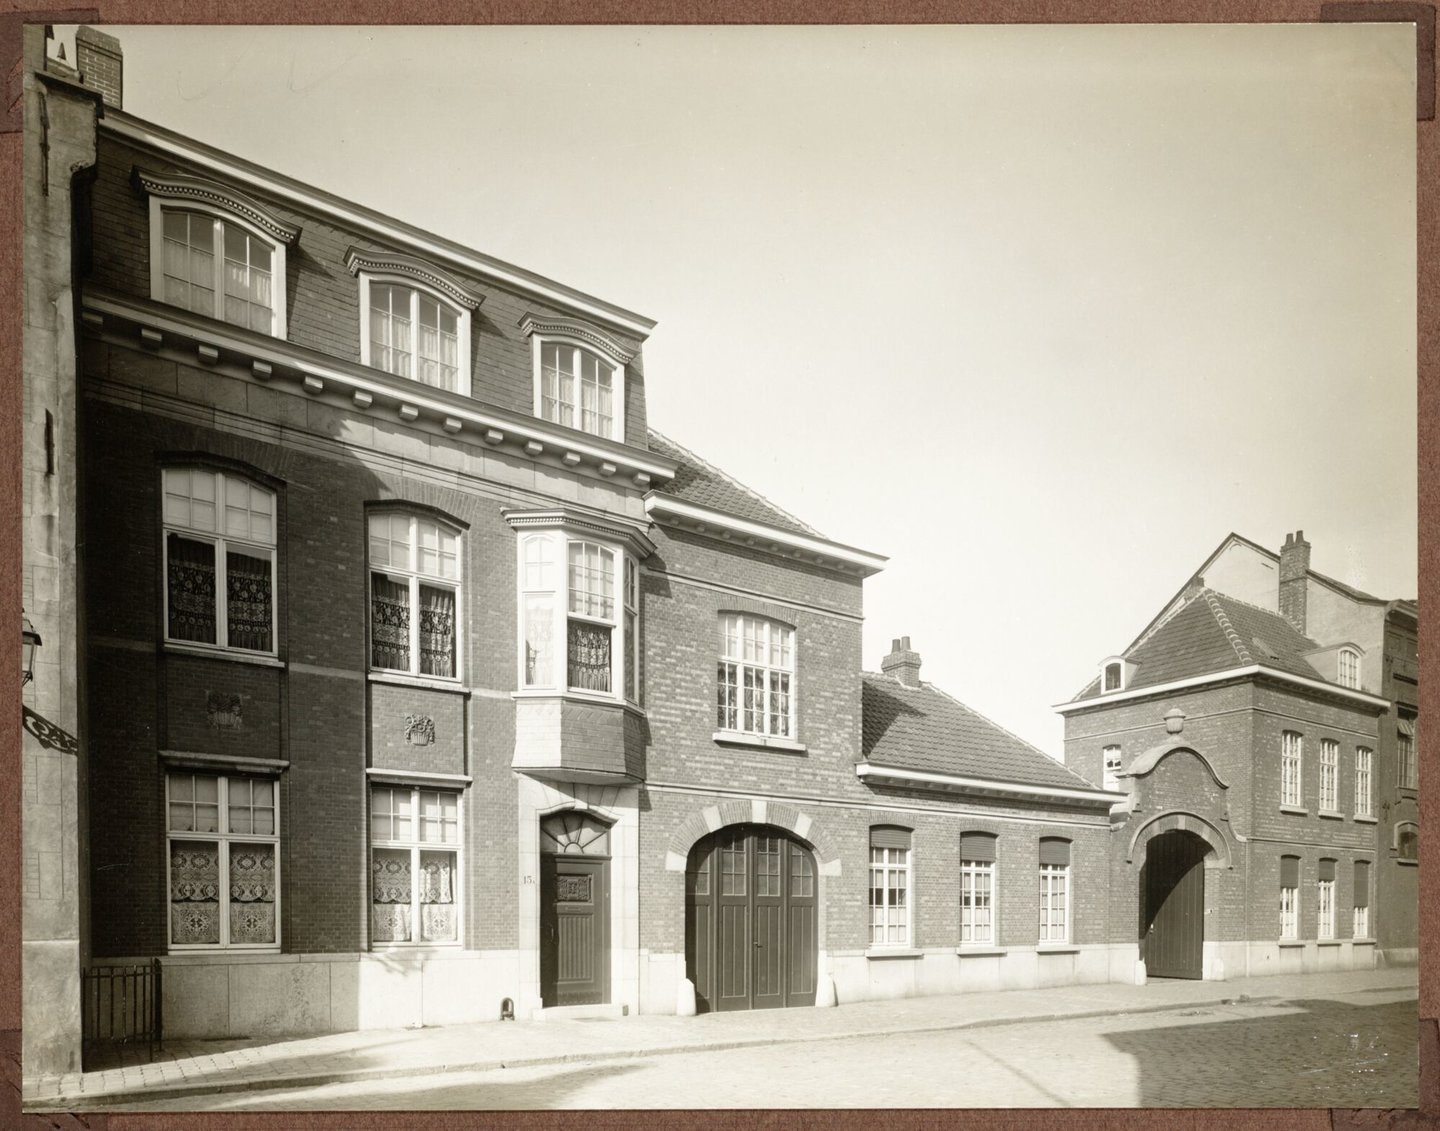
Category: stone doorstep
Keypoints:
(603, 1012)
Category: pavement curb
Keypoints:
(96, 1101)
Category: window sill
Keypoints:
(882, 952)
(1365, 820)
(1328, 942)
(1056, 948)
(985, 951)
(1331, 815)
(228, 654)
(1407, 863)
(1367, 941)
(1297, 810)
(760, 741)
(1288, 944)
(417, 949)
(399, 679)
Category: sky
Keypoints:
(1041, 313)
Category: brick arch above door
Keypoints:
(1219, 855)
(756, 811)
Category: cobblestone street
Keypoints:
(1357, 1052)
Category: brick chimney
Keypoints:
(902, 663)
(101, 66)
(1294, 569)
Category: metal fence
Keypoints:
(122, 1010)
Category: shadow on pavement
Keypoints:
(1323, 1054)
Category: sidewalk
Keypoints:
(187, 1067)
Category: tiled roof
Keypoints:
(922, 728)
(705, 485)
(1213, 632)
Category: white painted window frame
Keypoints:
(413, 575)
(1325, 909)
(1348, 668)
(220, 540)
(974, 870)
(1364, 782)
(623, 650)
(1289, 913)
(159, 206)
(1292, 768)
(540, 339)
(224, 838)
(766, 670)
(1110, 778)
(416, 287)
(416, 846)
(1329, 800)
(892, 862)
(1049, 874)
(1361, 926)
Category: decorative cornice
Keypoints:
(394, 263)
(572, 329)
(896, 776)
(578, 522)
(174, 186)
(759, 536)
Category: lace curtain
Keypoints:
(437, 631)
(247, 605)
(589, 656)
(191, 581)
(194, 893)
(252, 893)
(437, 896)
(390, 895)
(389, 623)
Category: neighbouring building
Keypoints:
(1263, 728)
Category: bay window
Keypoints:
(414, 595)
(579, 616)
(756, 676)
(222, 860)
(414, 865)
(219, 560)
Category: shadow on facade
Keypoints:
(1305, 1053)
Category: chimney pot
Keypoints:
(902, 663)
(1294, 579)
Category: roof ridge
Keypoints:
(1262, 609)
(725, 475)
(1007, 731)
(1212, 599)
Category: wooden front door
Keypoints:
(1174, 906)
(574, 911)
(750, 920)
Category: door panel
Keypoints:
(750, 918)
(575, 930)
(1175, 906)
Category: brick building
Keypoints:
(1263, 728)
(414, 676)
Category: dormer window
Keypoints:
(415, 320)
(216, 252)
(1115, 674)
(1114, 677)
(1349, 668)
(579, 376)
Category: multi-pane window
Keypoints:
(223, 837)
(1409, 773)
(592, 604)
(578, 388)
(1329, 775)
(219, 560)
(1289, 897)
(414, 595)
(977, 889)
(1325, 900)
(1349, 667)
(889, 886)
(217, 268)
(1054, 890)
(411, 333)
(1111, 761)
(756, 676)
(1291, 755)
(1364, 791)
(414, 865)
(1361, 927)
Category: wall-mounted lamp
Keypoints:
(29, 643)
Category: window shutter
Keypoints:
(1362, 883)
(1407, 727)
(1289, 871)
(977, 847)
(889, 836)
(1327, 870)
(1055, 851)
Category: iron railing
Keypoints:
(121, 1007)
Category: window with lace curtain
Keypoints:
(414, 595)
(220, 536)
(579, 375)
(414, 865)
(413, 334)
(222, 867)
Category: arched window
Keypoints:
(1114, 676)
(1349, 667)
(579, 376)
(219, 560)
(1407, 841)
(415, 610)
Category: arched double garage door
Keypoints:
(750, 920)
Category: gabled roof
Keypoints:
(922, 728)
(1213, 632)
(704, 484)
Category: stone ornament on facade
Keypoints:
(419, 730)
(224, 711)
